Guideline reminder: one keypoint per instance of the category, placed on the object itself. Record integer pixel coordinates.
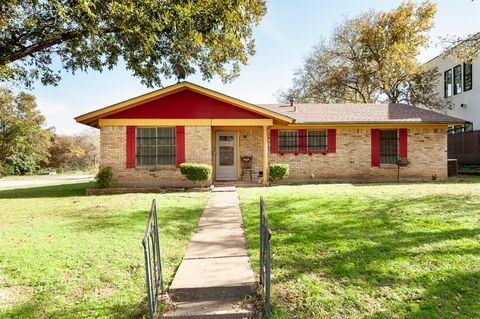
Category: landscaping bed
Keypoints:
(66, 255)
(409, 250)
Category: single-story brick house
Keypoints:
(146, 138)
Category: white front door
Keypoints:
(226, 168)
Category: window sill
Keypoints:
(156, 167)
(302, 152)
(388, 165)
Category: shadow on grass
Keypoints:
(455, 296)
(37, 309)
(173, 219)
(64, 190)
(371, 242)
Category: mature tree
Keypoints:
(463, 48)
(155, 38)
(74, 152)
(372, 58)
(23, 136)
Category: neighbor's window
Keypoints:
(388, 146)
(467, 76)
(288, 140)
(317, 140)
(156, 146)
(447, 79)
(457, 79)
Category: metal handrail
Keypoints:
(153, 261)
(265, 236)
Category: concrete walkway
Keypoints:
(44, 179)
(215, 275)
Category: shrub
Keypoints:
(19, 164)
(104, 177)
(279, 171)
(196, 172)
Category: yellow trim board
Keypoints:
(353, 125)
(184, 122)
(92, 116)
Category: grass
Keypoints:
(66, 255)
(371, 250)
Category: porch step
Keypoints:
(217, 188)
(228, 309)
(213, 279)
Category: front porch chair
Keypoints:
(246, 165)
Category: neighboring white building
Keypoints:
(460, 82)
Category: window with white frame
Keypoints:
(156, 145)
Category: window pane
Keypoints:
(467, 76)
(288, 140)
(447, 77)
(226, 155)
(388, 146)
(457, 79)
(156, 146)
(317, 140)
(166, 146)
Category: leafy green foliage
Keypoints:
(196, 172)
(279, 171)
(78, 152)
(20, 164)
(154, 38)
(372, 58)
(23, 136)
(370, 250)
(464, 49)
(104, 177)
(83, 257)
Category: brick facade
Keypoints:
(113, 153)
(427, 152)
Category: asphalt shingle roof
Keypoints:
(360, 114)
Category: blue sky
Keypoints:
(286, 34)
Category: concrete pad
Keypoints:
(227, 309)
(224, 189)
(213, 272)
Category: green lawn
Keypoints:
(66, 255)
(371, 250)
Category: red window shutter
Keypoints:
(302, 140)
(332, 140)
(375, 147)
(273, 141)
(180, 138)
(403, 134)
(131, 147)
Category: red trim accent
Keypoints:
(403, 136)
(273, 141)
(375, 147)
(302, 152)
(180, 138)
(131, 147)
(186, 104)
(302, 140)
(332, 140)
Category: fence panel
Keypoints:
(153, 261)
(465, 147)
